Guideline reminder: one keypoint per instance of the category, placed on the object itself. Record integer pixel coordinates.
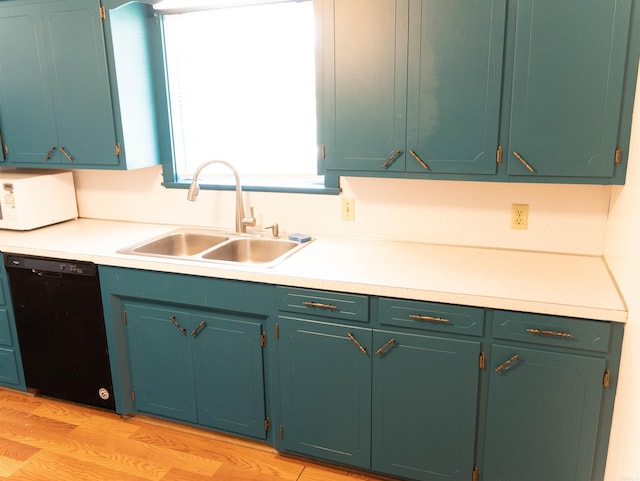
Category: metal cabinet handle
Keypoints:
(391, 158)
(355, 341)
(507, 364)
(64, 152)
(2, 147)
(385, 346)
(319, 305)
(524, 162)
(429, 318)
(177, 324)
(419, 160)
(550, 333)
(199, 328)
(48, 156)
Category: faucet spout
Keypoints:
(242, 221)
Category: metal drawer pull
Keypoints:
(391, 158)
(429, 318)
(524, 162)
(177, 324)
(550, 333)
(507, 364)
(319, 305)
(419, 160)
(2, 147)
(389, 343)
(48, 156)
(64, 152)
(355, 341)
(199, 328)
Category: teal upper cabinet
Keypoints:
(402, 91)
(489, 90)
(64, 84)
(568, 76)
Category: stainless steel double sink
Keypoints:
(209, 245)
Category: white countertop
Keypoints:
(567, 285)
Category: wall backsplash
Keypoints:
(562, 218)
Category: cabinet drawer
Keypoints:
(431, 316)
(5, 329)
(552, 330)
(337, 305)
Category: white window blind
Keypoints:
(242, 88)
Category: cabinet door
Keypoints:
(455, 83)
(161, 361)
(325, 381)
(425, 392)
(26, 109)
(567, 86)
(80, 84)
(227, 360)
(362, 84)
(542, 415)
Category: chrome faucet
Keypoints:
(242, 221)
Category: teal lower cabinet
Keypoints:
(542, 421)
(199, 367)
(551, 388)
(189, 348)
(425, 396)
(11, 374)
(325, 390)
(429, 391)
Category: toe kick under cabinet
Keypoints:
(431, 391)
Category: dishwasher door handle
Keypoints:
(57, 275)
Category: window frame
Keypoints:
(171, 178)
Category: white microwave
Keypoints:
(29, 200)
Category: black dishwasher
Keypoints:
(61, 332)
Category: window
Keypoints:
(241, 88)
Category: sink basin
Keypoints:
(209, 246)
(179, 243)
(251, 250)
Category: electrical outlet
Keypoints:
(520, 216)
(348, 209)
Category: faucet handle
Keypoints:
(249, 221)
(274, 229)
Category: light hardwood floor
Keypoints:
(48, 440)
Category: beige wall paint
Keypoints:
(562, 218)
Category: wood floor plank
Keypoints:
(49, 466)
(8, 466)
(49, 440)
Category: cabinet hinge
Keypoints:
(483, 358)
(606, 378)
(133, 395)
(124, 317)
(267, 424)
(618, 155)
(323, 152)
(281, 432)
(263, 339)
(475, 475)
(103, 13)
(118, 150)
(277, 331)
(499, 155)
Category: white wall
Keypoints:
(622, 252)
(562, 218)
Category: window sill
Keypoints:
(284, 187)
